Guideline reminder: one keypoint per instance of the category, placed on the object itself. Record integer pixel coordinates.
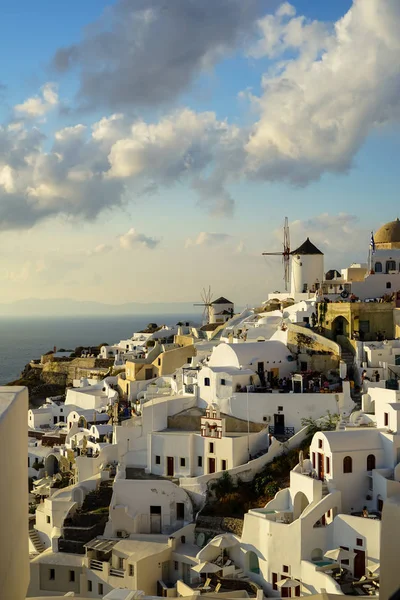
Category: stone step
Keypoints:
(36, 541)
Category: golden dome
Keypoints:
(388, 234)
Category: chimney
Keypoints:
(172, 543)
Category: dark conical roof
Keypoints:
(221, 300)
(307, 248)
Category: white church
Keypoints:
(370, 280)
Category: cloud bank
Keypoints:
(324, 91)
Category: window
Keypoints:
(100, 589)
(370, 462)
(199, 461)
(378, 267)
(223, 465)
(47, 519)
(313, 460)
(388, 285)
(390, 265)
(159, 362)
(120, 562)
(183, 539)
(320, 444)
(223, 382)
(176, 565)
(285, 569)
(183, 462)
(29, 462)
(280, 408)
(89, 586)
(158, 460)
(347, 464)
(180, 511)
(189, 360)
(52, 574)
(328, 514)
(72, 576)
(131, 570)
(303, 366)
(359, 542)
(62, 419)
(211, 447)
(274, 581)
(207, 381)
(386, 419)
(61, 410)
(328, 465)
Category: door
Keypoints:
(321, 473)
(279, 424)
(155, 519)
(211, 465)
(359, 564)
(165, 571)
(170, 466)
(185, 573)
(148, 374)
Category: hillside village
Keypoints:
(255, 454)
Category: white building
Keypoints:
(179, 453)
(14, 557)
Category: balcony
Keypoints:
(117, 573)
(280, 432)
(96, 565)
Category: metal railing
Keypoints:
(287, 431)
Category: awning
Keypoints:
(206, 567)
(287, 583)
(224, 541)
(101, 545)
(340, 554)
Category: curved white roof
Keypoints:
(237, 355)
(353, 440)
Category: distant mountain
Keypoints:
(56, 307)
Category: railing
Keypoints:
(117, 573)
(287, 431)
(96, 565)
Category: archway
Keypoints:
(300, 504)
(316, 554)
(340, 326)
(82, 422)
(252, 562)
(51, 465)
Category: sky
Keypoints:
(151, 148)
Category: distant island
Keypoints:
(67, 307)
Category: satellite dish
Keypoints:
(201, 538)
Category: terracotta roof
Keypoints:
(307, 248)
(221, 300)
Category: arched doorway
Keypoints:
(252, 562)
(51, 465)
(340, 326)
(300, 504)
(316, 554)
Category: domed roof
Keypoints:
(389, 233)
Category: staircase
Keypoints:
(36, 541)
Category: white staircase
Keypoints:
(36, 541)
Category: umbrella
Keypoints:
(206, 567)
(340, 554)
(223, 542)
(287, 583)
(374, 568)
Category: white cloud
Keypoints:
(38, 106)
(317, 108)
(133, 238)
(99, 249)
(337, 235)
(208, 239)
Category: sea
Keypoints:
(26, 338)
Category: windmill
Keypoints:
(285, 253)
(207, 297)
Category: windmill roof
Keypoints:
(307, 247)
(221, 300)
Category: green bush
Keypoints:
(223, 486)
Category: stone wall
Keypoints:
(64, 372)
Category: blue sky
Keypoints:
(229, 118)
